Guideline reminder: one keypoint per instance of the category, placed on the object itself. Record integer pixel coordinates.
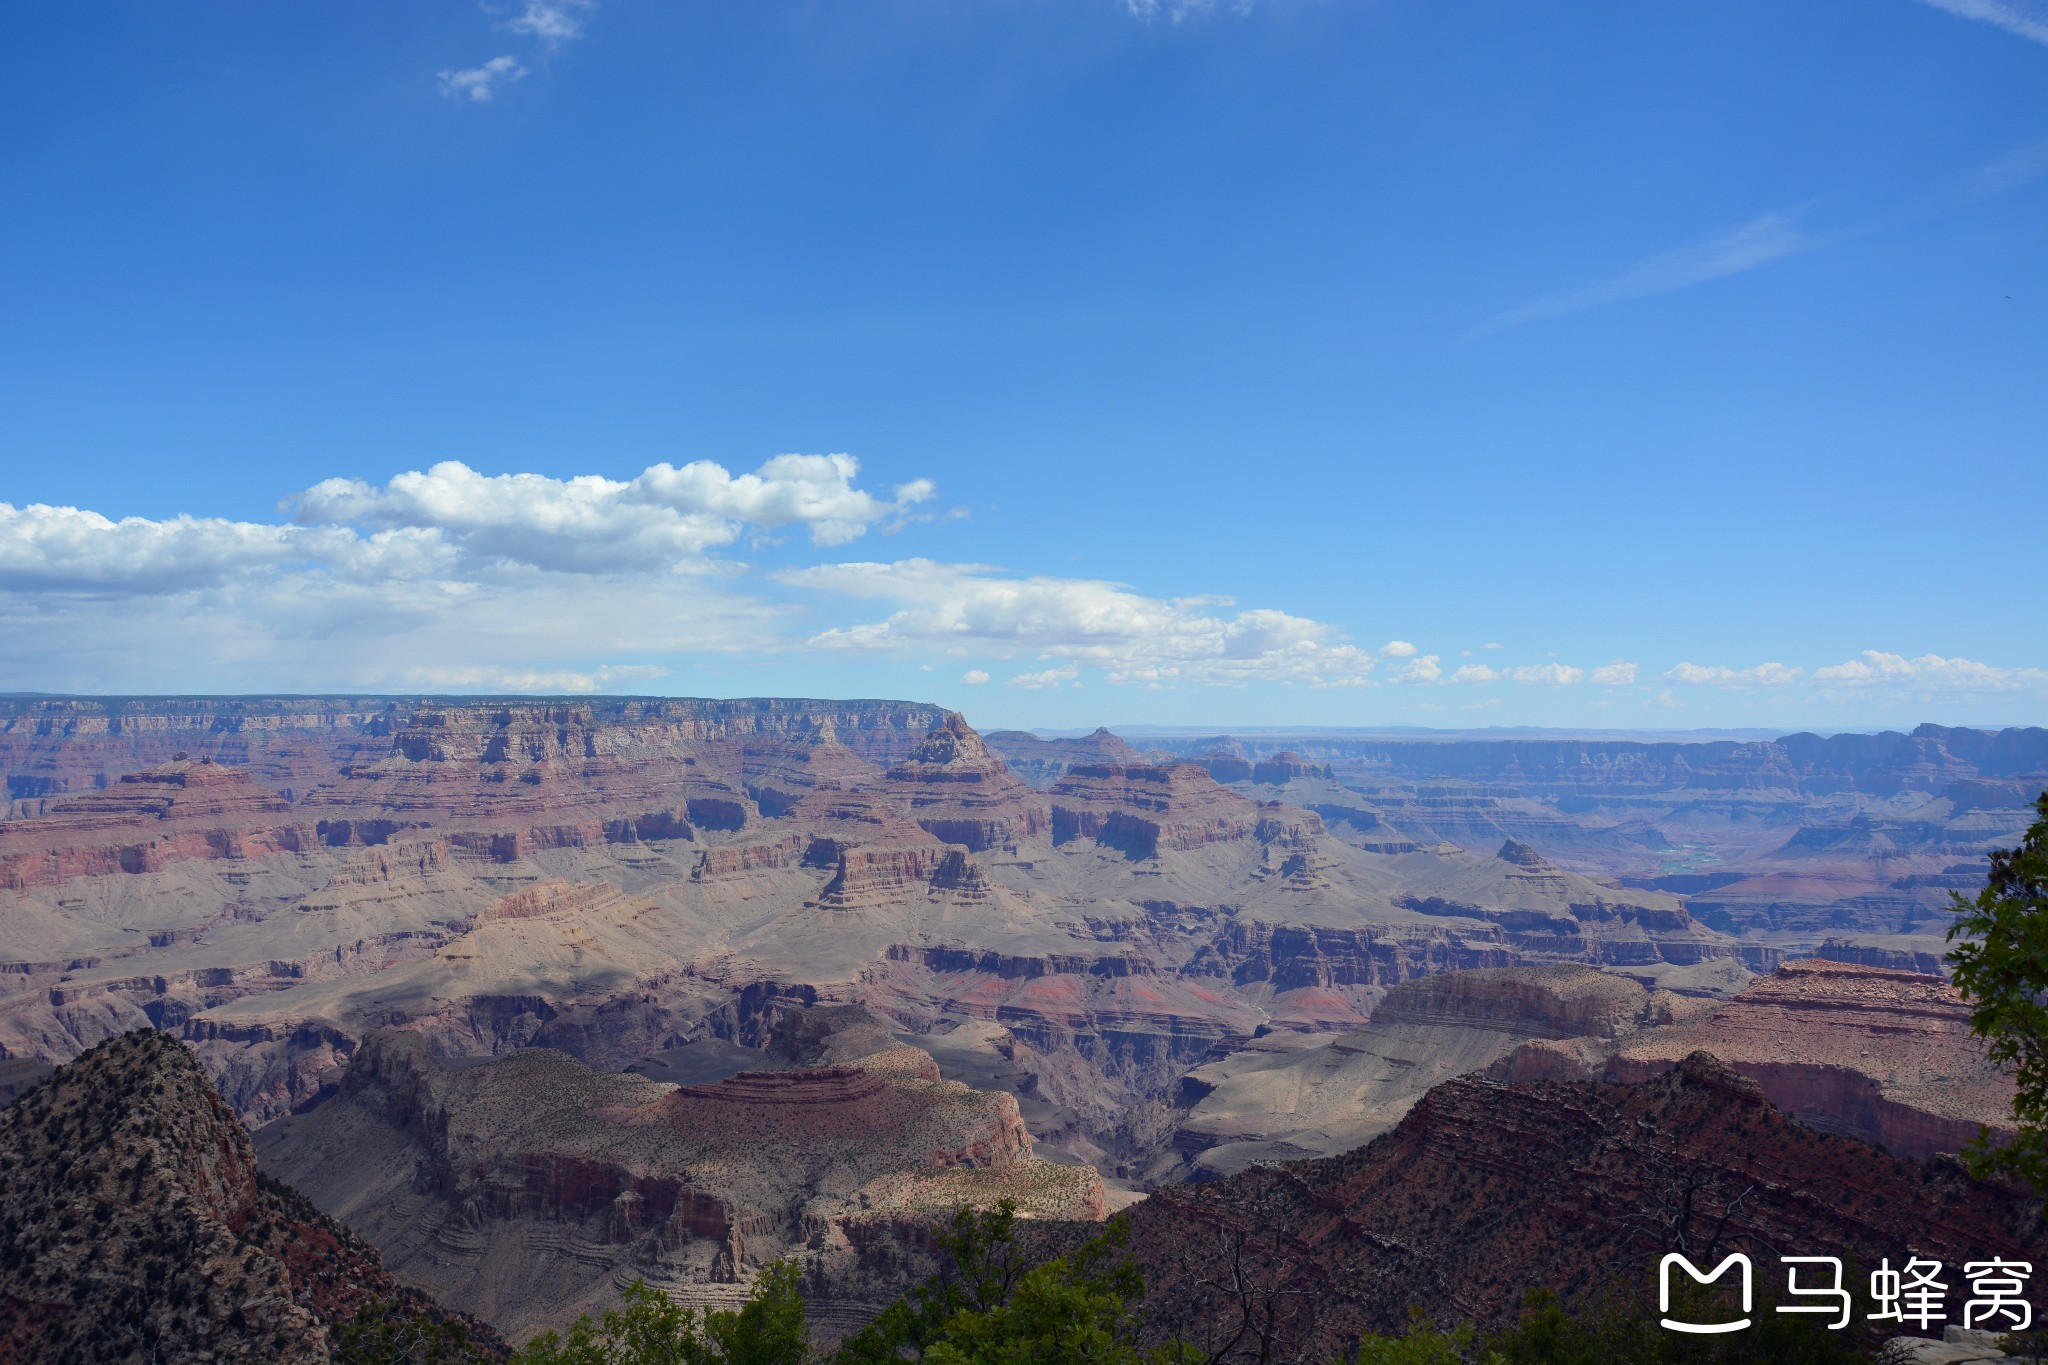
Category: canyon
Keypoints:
(501, 983)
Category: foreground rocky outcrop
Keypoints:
(134, 1226)
(1880, 1055)
(1486, 1190)
(529, 1188)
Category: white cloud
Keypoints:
(1427, 668)
(1755, 243)
(1050, 679)
(1397, 649)
(1666, 698)
(1474, 673)
(480, 83)
(1132, 638)
(1548, 675)
(664, 518)
(1932, 672)
(1615, 675)
(1181, 10)
(1493, 644)
(2029, 21)
(552, 21)
(69, 549)
(974, 677)
(1763, 675)
(605, 678)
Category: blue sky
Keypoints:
(1293, 361)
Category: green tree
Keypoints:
(652, 1329)
(1423, 1344)
(987, 1307)
(393, 1332)
(2001, 967)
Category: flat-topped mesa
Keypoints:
(960, 792)
(881, 872)
(1559, 1001)
(1285, 767)
(1141, 809)
(556, 774)
(1524, 892)
(1884, 1056)
(819, 1085)
(181, 810)
(1041, 762)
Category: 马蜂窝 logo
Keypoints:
(1664, 1268)
(1915, 1294)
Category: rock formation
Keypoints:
(527, 1187)
(134, 1226)
(1288, 1095)
(1884, 1056)
(1485, 1190)
(616, 878)
(1041, 762)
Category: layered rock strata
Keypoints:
(1884, 1056)
(528, 1187)
(1485, 1191)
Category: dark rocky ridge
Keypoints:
(134, 1226)
(1485, 1190)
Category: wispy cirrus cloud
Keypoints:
(1756, 243)
(2029, 21)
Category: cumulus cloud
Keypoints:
(480, 83)
(974, 677)
(1615, 675)
(664, 518)
(1763, 675)
(447, 578)
(1932, 672)
(1131, 637)
(1474, 673)
(1050, 679)
(1547, 675)
(1397, 649)
(1426, 668)
(606, 678)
